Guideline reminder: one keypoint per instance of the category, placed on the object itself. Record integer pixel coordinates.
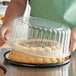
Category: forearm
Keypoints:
(14, 10)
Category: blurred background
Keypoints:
(3, 7)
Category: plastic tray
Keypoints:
(35, 65)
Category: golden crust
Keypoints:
(26, 58)
(26, 45)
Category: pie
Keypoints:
(37, 52)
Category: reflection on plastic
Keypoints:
(74, 66)
(56, 71)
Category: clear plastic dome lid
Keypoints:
(40, 37)
(47, 24)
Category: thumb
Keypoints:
(72, 46)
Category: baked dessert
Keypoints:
(37, 52)
(1, 18)
(1, 72)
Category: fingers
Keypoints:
(2, 34)
(72, 46)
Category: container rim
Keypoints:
(52, 24)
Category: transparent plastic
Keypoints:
(40, 37)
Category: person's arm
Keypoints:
(15, 8)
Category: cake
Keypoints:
(37, 52)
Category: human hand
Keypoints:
(4, 32)
(72, 46)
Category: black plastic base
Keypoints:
(35, 65)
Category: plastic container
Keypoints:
(39, 40)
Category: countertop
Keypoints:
(65, 70)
